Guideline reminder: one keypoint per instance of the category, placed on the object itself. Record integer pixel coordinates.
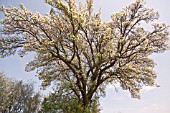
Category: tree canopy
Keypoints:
(76, 49)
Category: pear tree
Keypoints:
(74, 48)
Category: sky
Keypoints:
(153, 100)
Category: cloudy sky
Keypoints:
(153, 100)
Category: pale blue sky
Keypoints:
(153, 100)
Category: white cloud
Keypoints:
(153, 107)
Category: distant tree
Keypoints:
(74, 47)
(17, 97)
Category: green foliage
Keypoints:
(64, 101)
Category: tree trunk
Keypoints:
(86, 103)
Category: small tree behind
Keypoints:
(63, 100)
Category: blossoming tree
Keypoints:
(77, 50)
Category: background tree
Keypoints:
(16, 96)
(74, 47)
